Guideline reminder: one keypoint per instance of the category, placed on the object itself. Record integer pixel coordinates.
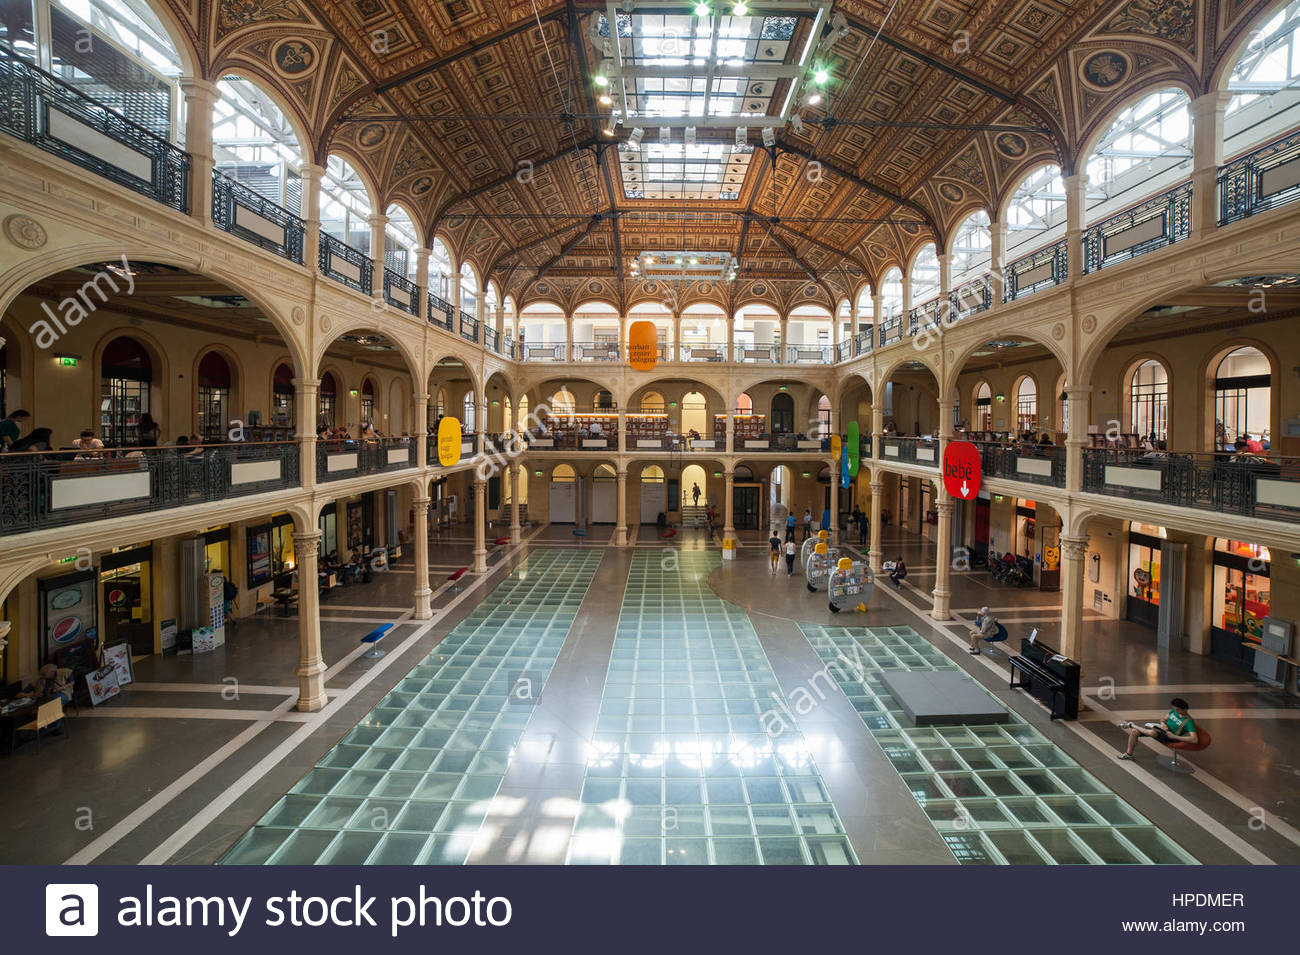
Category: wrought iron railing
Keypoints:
(1248, 485)
(401, 292)
(1262, 179)
(865, 444)
(492, 338)
(508, 347)
(757, 354)
(922, 451)
(337, 460)
(53, 488)
(864, 342)
(844, 350)
(595, 351)
(1038, 270)
(1033, 464)
(970, 298)
(552, 352)
(344, 264)
(926, 315)
(1151, 224)
(807, 354)
(55, 116)
(891, 329)
(468, 326)
(439, 311)
(240, 211)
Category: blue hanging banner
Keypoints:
(844, 471)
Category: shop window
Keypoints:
(1144, 543)
(124, 581)
(1242, 594)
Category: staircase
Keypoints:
(693, 516)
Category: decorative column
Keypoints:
(311, 661)
(200, 100)
(499, 320)
(874, 556)
(312, 178)
(731, 338)
(942, 593)
(945, 291)
(784, 332)
(423, 593)
(378, 223)
(729, 435)
(620, 528)
(1075, 203)
(1074, 554)
(877, 425)
(729, 505)
(420, 430)
(1077, 406)
(422, 280)
(1207, 157)
(622, 431)
(480, 525)
(568, 338)
(481, 423)
(513, 469)
(878, 316)
(907, 301)
(835, 335)
(306, 392)
(997, 261)
(680, 355)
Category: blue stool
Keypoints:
(579, 532)
(373, 638)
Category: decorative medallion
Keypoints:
(25, 232)
(595, 288)
(910, 227)
(326, 323)
(809, 291)
(952, 193)
(294, 57)
(1058, 331)
(759, 289)
(1089, 324)
(1011, 145)
(371, 135)
(543, 288)
(421, 185)
(1105, 69)
(298, 315)
(652, 286)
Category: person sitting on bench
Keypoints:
(986, 628)
(1178, 727)
(898, 573)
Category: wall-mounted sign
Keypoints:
(449, 438)
(961, 469)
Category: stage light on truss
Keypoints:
(605, 99)
(810, 98)
(821, 75)
(796, 123)
(665, 135)
(634, 138)
(689, 137)
(740, 9)
(742, 137)
(702, 10)
(769, 136)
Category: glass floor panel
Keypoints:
(998, 795)
(411, 783)
(681, 769)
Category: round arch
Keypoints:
(1209, 369)
(160, 374)
(267, 85)
(1236, 49)
(1095, 130)
(238, 394)
(1017, 178)
(365, 323)
(358, 166)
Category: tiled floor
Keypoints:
(682, 769)
(412, 782)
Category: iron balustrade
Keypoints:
(891, 330)
(925, 315)
(701, 352)
(346, 265)
(508, 347)
(757, 354)
(1149, 225)
(552, 352)
(921, 451)
(1033, 464)
(439, 311)
(468, 326)
(492, 339)
(844, 350)
(1037, 270)
(45, 489)
(970, 298)
(1263, 179)
(865, 444)
(1251, 486)
(260, 219)
(337, 460)
(864, 342)
(401, 292)
(808, 354)
(595, 351)
(39, 108)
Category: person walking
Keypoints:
(695, 494)
(789, 555)
(789, 526)
(774, 545)
(864, 528)
(807, 523)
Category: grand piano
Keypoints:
(1048, 676)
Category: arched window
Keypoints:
(824, 416)
(925, 275)
(782, 413)
(367, 409)
(563, 402)
(1026, 405)
(866, 303)
(1035, 210)
(400, 241)
(744, 404)
(345, 205)
(126, 376)
(563, 474)
(327, 402)
(440, 271)
(604, 401)
(1269, 65)
(983, 420)
(469, 412)
(652, 472)
(1149, 400)
(891, 292)
(283, 397)
(214, 397)
(1147, 148)
(1243, 397)
(490, 301)
(972, 249)
(653, 403)
(468, 289)
(254, 143)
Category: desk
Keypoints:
(23, 712)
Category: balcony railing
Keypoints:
(808, 354)
(704, 352)
(491, 338)
(891, 330)
(55, 116)
(508, 347)
(925, 315)
(344, 264)
(241, 211)
(970, 298)
(1261, 180)
(788, 443)
(337, 460)
(53, 488)
(1034, 465)
(552, 352)
(401, 292)
(844, 350)
(595, 351)
(1249, 486)
(1149, 225)
(1038, 270)
(922, 451)
(439, 311)
(757, 354)
(468, 326)
(864, 342)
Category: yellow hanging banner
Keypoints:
(449, 437)
(642, 346)
(836, 446)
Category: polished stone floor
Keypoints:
(205, 758)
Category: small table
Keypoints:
(14, 714)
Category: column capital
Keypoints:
(197, 88)
(1074, 548)
(421, 398)
(306, 383)
(306, 538)
(421, 502)
(376, 218)
(311, 171)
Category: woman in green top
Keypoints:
(1178, 727)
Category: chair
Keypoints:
(1171, 762)
(998, 637)
(47, 714)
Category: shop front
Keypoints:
(1241, 592)
(126, 597)
(1143, 581)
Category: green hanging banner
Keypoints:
(853, 448)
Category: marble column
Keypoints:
(423, 593)
(620, 528)
(200, 100)
(480, 526)
(1074, 554)
(942, 593)
(311, 661)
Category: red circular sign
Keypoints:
(961, 470)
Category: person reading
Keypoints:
(1177, 727)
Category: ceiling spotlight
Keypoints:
(694, 260)
(796, 123)
(740, 9)
(769, 137)
(820, 75)
(601, 79)
(634, 138)
(742, 136)
(665, 135)
(689, 138)
(811, 98)
(701, 9)
(605, 99)
(677, 260)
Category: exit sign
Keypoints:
(67, 361)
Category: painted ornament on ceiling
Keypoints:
(1105, 69)
(294, 57)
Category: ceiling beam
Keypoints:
(569, 246)
(789, 251)
(843, 254)
(516, 255)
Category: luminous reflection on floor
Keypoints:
(412, 782)
(681, 770)
(996, 794)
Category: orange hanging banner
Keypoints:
(643, 346)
